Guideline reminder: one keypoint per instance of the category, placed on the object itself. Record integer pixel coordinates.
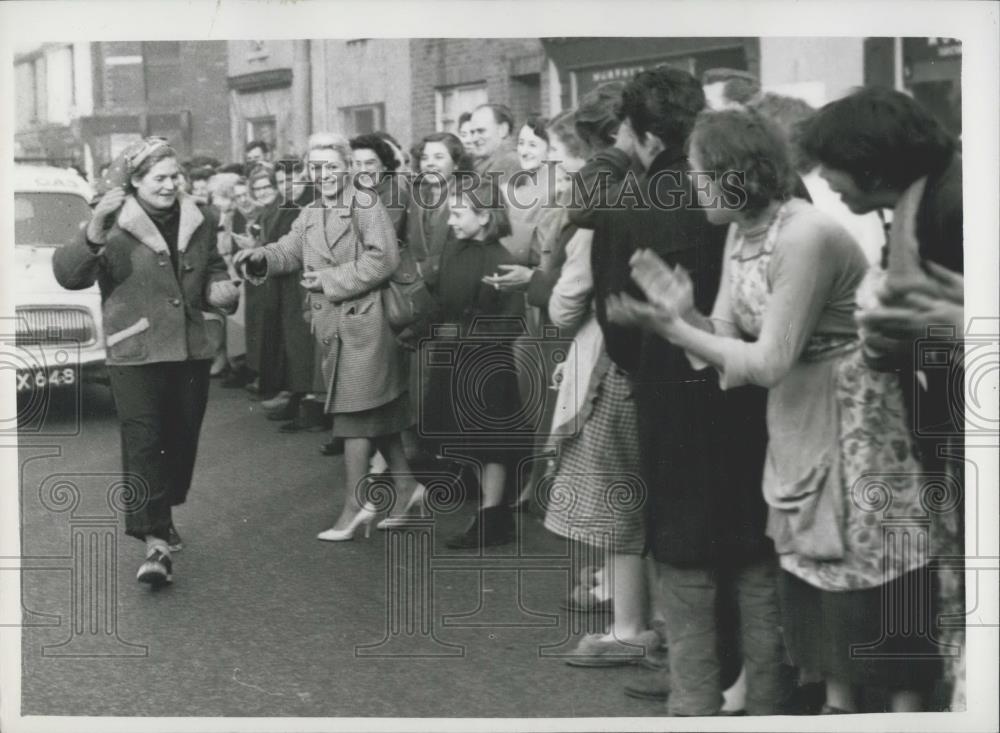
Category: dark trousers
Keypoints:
(688, 598)
(160, 408)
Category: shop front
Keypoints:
(583, 64)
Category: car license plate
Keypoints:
(32, 379)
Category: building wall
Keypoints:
(203, 89)
(358, 73)
(247, 57)
(271, 96)
(171, 88)
(817, 69)
(513, 70)
(53, 88)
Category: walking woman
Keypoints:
(346, 247)
(784, 319)
(165, 290)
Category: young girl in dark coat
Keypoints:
(473, 403)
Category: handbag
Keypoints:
(406, 299)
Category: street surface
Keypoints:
(263, 619)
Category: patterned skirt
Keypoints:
(896, 517)
(595, 495)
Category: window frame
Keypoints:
(449, 124)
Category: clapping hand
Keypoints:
(908, 306)
(670, 290)
(625, 310)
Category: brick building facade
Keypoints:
(85, 101)
(453, 75)
(168, 88)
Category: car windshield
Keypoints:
(48, 219)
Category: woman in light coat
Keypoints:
(345, 246)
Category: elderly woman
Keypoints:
(164, 289)
(346, 247)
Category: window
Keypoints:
(26, 99)
(59, 83)
(263, 128)
(48, 219)
(452, 102)
(363, 119)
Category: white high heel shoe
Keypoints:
(416, 499)
(364, 517)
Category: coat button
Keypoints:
(317, 306)
(162, 263)
(326, 342)
(175, 302)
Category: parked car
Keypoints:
(59, 339)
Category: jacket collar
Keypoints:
(136, 222)
(338, 217)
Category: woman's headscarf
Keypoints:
(126, 163)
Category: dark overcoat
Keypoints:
(150, 312)
(701, 449)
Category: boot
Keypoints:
(491, 526)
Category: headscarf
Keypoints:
(126, 163)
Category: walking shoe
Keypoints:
(657, 688)
(157, 570)
(491, 526)
(174, 539)
(596, 650)
(278, 401)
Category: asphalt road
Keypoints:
(263, 619)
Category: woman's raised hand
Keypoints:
(104, 214)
